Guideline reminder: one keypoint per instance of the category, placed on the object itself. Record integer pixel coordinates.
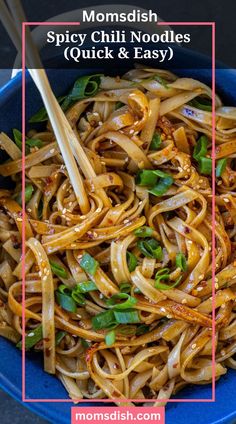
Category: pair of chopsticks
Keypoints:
(12, 18)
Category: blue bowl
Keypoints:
(40, 385)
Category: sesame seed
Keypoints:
(216, 286)
(98, 210)
(199, 288)
(19, 219)
(184, 301)
(163, 310)
(226, 200)
(44, 278)
(194, 346)
(126, 221)
(30, 334)
(52, 151)
(76, 229)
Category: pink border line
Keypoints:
(24, 399)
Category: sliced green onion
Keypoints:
(110, 338)
(125, 288)
(66, 302)
(200, 149)
(163, 274)
(17, 138)
(86, 286)
(137, 290)
(29, 189)
(146, 177)
(202, 103)
(32, 337)
(144, 232)
(161, 81)
(41, 115)
(78, 297)
(85, 344)
(89, 264)
(58, 270)
(156, 141)
(142, 329)
(59, 336)
(129, 301)
(150, 248)
(86, 86)
(127, 317)
(205, 166)
(34, 142)
(181, 262)
(126, 330)
(131, 261)
(162, 286)
(104, 320)
(221, 165)
(163, 184)
(119, 105)
(29, 142)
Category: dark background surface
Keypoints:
(223, 12)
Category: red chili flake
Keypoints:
(48, 352)
(175, 365)
(48, 180)
(187, 230)
(145, 145)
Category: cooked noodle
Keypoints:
(143, 252)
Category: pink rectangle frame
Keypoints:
(24, 398)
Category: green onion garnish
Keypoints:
(110, 338)
(164, 183)
(41, 115)
(126, 317)
(221, 165)
(85, 344)
(161, 81)
(17, 138)
(77, 297)
(128, 301)
(181, 262)
(86, 286)
(111, 318)
(125, 288)
(156, 141)
(131, 261)
(89, 264)
(119, 105)
(200, 149)
(142, 329)
(144, 232)
(59, 336)
(29, 142)
(150, 248)
(86, 86)
(104, 320)
(32, 337)
(163, 274)
(205, 166)
(29, 189)
(202, 103)
(146, 177)
(58, 270)
(66, 301)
